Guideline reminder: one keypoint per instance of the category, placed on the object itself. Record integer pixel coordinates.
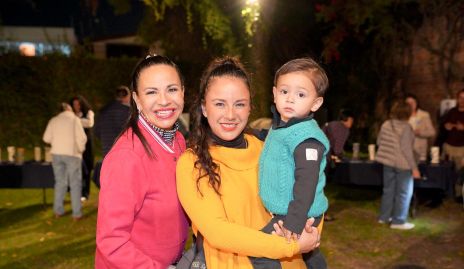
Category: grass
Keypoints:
(31, 237)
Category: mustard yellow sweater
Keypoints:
(230, 223)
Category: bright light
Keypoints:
(27, 49)
(250, 14)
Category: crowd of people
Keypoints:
(155, 184)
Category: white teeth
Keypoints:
(164, 112)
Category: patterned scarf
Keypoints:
(166, 135)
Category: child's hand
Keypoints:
(289, 235)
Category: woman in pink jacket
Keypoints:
(141, 223)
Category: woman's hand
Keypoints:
(309, 238)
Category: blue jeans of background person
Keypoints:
(397, 193)
(68, 172)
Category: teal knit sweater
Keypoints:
(277, 167)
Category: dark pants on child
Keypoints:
(313, 260)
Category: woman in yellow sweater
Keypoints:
(217, 178)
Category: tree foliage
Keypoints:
(33, 88)
(214, 23)
(390, 27)
(371, 43)
(445, 42)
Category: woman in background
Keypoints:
(83, 110)
(395, 152)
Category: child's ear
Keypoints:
(317, 104)
(274, 92)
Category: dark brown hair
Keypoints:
(200, 139)
(400, 110)
(85, 105)
(309, 66)
(134, 113)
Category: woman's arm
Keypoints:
(207, 214)
(121, 196)
(88, 121)
(406, 146)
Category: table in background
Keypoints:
(368, 173)
(27, 175)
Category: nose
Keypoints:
(163, 99)
(290, 98)
(230, 113)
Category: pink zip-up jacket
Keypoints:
(140, 223)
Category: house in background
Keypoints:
(37, 41)
(36, 28)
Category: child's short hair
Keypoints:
(314, 70)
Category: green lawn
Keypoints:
(30, 236)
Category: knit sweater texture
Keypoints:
(230, 222)
(395, 141)
(277, 167)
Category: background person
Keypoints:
(338, 132)
(112, 117)
(217, 177)
(395, 151)
(65, 134)
(82, 109)
(422, 126)
(453, 146)
(140, 222)
(110, 123)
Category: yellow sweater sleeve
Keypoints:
(207, 214)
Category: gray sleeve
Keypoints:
(308, 156)
(406, 146)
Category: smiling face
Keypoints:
(227, 106)
(295, 96)
(160, 95)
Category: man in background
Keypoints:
(110, 123)
(67, 137)
(453, 146)
(337, 132)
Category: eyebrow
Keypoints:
(155, 88)
(223, 100)
(299, 88)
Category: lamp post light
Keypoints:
(250, 14)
